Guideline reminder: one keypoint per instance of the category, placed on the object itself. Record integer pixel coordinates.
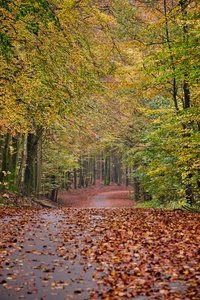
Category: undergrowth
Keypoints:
(155, 203)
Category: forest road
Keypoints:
(98, 252)
(43, 254)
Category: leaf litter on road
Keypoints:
(105, 253)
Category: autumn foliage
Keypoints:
(85, 81)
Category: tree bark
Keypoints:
(94, 171)
(102, 168)
(5, 160)
(106, 171)
(54, 192)
(14, 162)
(136, 186)
(127, 177)
(38, 167)
(32, 177)
(75, 179)
(171, 57)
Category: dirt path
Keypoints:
(98, 196)
(111, 199)
(104, 199)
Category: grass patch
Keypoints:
(155, 203)
(150, 204)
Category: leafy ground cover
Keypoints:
(99, 253)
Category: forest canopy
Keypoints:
(107, 89)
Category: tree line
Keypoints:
(106, 169)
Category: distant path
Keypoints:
(111, 199)
(98, 196)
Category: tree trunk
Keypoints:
(171, 57)
(31, 151)
(5, 160)
(54, 192)
(38, 167)
(186, 93)
(127, 177)
(94, 171)
(75, 179)
(67, 180)
(119, 171)
(136, 186)
(102, 168)
(20, 177)
(14, 162)
(98, 172)
(32, 177)
(106, 171)
(81, 173)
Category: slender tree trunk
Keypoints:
(31, 150)
(130, 181)
(98, 172)
(38, 167)
(106, 172)
(1, 146)
(136, 186)
(127, 177)
(119, 172)
(67, 180)
(87, 171)
(81, 173)
(31, 179)
(116, 169)
(54, 192)
(14, 162)
(186, 89)
(20, 176)
(186, 102)
(75, 178)
(91, 169)
(111, 169)
(186, 92)
(175, 92)
(5, 160)
(94, 171)
(171, 57)
(102, 168)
